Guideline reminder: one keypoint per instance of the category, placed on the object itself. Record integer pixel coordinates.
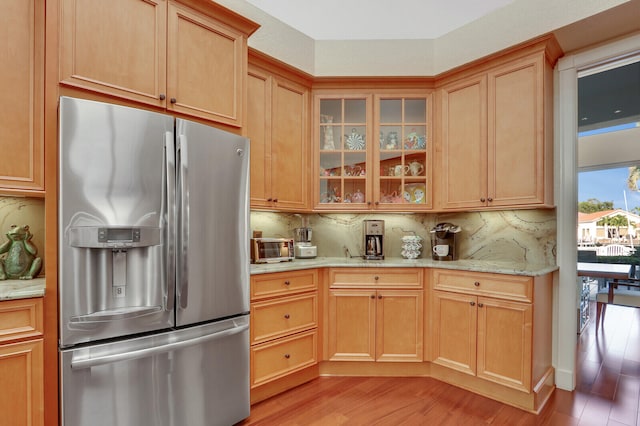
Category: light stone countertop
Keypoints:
(500, 267)
(22, 289)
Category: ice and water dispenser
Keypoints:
(116, 273)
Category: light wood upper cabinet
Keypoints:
(373, 150)
(22, 83)
(496, 136)
(186, 56)
(464, 143)
(117, 47)
(278, 127)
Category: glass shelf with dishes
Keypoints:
(343, 151)
(403, 151)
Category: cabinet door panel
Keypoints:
(454, 331)
(399, 325)
(116, 47)
(464, 139)
(516, 148)
(258, 130)
(21, 370)
(22, 82)
(504, 342)
(289, 170)
(352, 318)
(205, 67)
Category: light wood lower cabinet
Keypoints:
(284, 336)
(382, 321)
(21, 362)
(486, 330)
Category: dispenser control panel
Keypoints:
(115, 235)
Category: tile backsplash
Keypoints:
(509, 235)
(24, 211)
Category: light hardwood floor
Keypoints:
(607, 392)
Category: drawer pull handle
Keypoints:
(480, 305)
(287, 316)
(472, 303)
(287, 356)
(287, 282)
(477, 283)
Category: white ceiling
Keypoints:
(377, 19)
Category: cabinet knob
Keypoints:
(287, 316)
(275, 200)
(377, 203)
(480, 305)
(482, 200)
(287, 282)
(376, 278)
(287, 356)
(472, 303)
(269, 199)
(477, 283)
(373, 296)
(379, 296)
(489, 199)
(162, 96)
(173, 100)
(368, 203)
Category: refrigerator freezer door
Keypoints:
(194, 376)
(114, 199)
(213, 222)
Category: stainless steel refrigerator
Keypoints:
(153, 269)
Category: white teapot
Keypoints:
(416, 168)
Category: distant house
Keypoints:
(601, 227)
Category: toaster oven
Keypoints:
(271, 250)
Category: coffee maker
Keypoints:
(443, 241)
(302, 236)
(374, 239)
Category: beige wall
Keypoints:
(24, 211)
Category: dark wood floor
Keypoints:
(607, 392)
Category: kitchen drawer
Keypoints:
(272, 360)
(20, 319)
(277, 318)
(376, 277)
(512, 287)
(283, 283)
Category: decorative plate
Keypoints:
(355, 141)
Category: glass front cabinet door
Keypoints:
(344, 145)
(403, 153)
(373, 152)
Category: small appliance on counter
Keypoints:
(271, 250)
(443, 241)
(303, 248)
(374, 239)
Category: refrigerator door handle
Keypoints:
(183, 223)
(170, 168)
(82, 362)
